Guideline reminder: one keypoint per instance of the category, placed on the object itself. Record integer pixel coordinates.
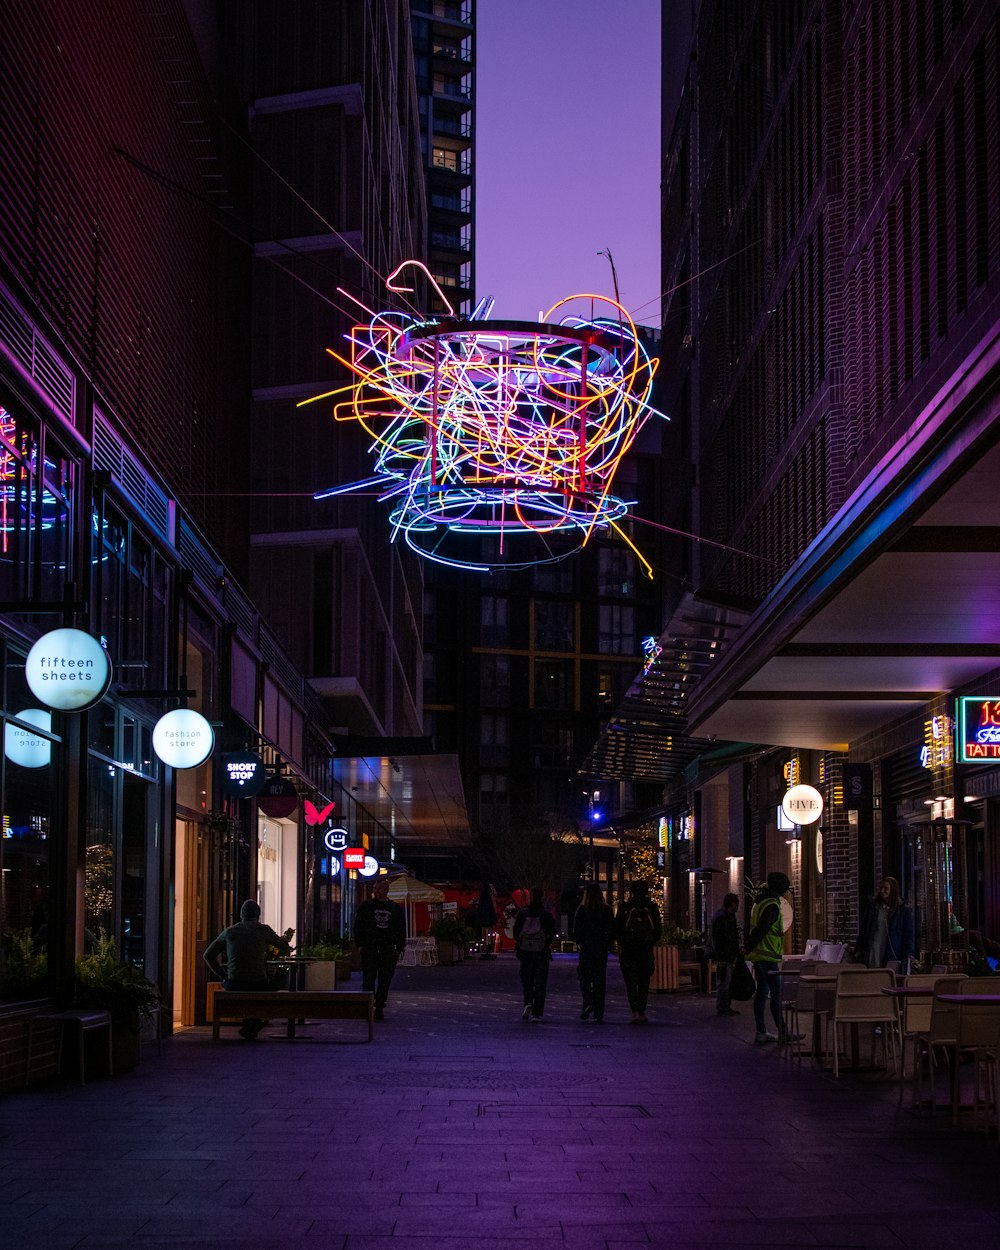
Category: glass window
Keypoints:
(616, 629)
(493, 611)
(554, 624)
(492, 788)
(493, 730)
(554, 684)
(494, 674)
(616, 571)
(26, 771)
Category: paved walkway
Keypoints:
(462, 1128)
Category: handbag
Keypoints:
(742, 985)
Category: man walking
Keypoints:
(725, 952)
(380, 932)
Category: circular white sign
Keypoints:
(68, 670)
(183, 738)
(819, 851)
(370, 868)
(803, 805)
(335, 865)
(23, 747)
(336, 839)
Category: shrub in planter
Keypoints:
(105, 983)
(450, 932)
(22, 967)
(332, 963)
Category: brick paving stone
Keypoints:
(461, 1128)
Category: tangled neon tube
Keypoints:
(511, 431)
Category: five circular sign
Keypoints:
(183, 738)
(68, 670)
(803, 805)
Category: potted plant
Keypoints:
(331, 963)
(452, 937)
(105, 983)
(22, 967)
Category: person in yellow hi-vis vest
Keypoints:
(764, 950)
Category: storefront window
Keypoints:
(36, 495)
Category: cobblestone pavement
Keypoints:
(463, 1128)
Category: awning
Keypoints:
(416, 796)
(896, 601)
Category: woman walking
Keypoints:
(593, 932)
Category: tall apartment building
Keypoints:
(831, 228)
(338, 203)
(444, 50)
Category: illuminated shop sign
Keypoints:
(278, 798)
(938, 737)
(978, 729)
(68, 670)
(243, 772)
(23, 747)
(803, 805)
(370, 867)
(336, 839)
(354, 857)
(183, 738)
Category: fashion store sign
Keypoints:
(183, 739)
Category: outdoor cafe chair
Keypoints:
(939, 1038)
(978, 1035)
(915, 1017)
(859, 1000)
(812, 998)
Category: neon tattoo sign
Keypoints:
(978, 721)
(506, 429)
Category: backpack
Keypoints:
(532, 940)
(639, 927)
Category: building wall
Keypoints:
(338, 203)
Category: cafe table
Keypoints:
(821, 1007)
(295, 966)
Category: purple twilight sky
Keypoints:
(567, 152)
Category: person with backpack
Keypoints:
(534, 933)
(638, 928)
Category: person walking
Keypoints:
(534, 933)
(887, 930)
(594, 933)
(764, 949)
(725, 941)
(638, 928)
(380, 931)
(238, 958)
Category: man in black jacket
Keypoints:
(725, 952)
(380, 932)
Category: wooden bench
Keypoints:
(235, 1006)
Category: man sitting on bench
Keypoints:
(244, 946)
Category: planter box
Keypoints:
(448, 953)
(666, 969)
(321, 975)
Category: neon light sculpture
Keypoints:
(512, 430)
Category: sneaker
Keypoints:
(585, 1014)
(249, 1031)
(526, 1013)
(727, 1011)
(379, 1013)
(763, 1039)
